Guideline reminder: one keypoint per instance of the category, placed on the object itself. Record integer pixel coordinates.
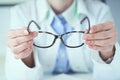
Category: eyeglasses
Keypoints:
(72, 39)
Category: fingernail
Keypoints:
(35, 34)
(87, 42)
(86, 30)
(27, 50)
(25, 32)
(84, 36)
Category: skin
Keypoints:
(21, 42)
(60, 6)
(102, 37)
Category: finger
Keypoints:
(102, 27)
(99, 35)
(23, 39)
(23, 54)
(17, 32)
(23, 46)
(100, 48)
(106, 42)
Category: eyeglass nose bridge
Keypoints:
(58, 37)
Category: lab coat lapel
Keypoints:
(76, 55)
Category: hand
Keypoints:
(20, 42)
(102, 37)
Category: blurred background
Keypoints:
(5, 6)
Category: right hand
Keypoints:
(20, 41)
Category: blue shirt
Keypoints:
(60, 26)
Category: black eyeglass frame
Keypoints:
(59, 36)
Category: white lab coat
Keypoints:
(81, 59)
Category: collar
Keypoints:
(70, 13)
(78, 7)
(82, 7)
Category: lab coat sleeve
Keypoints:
(102, 70)
(15, 68)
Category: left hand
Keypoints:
(102, 37)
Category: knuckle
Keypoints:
(14, 50)
(8, 42)
(102, 25)
(94, 28)
(102, 42)
(16, 41)
(16, 56)
(29, 37)
(32, 35)
(106, 42)
(23, 39)
(109, 43)
(106, 34)
(116, 33)
(111, 22)
(26, 45)
(23, 46)
(23, 54)
(9, 33)
(92, 42)
(95, 47)
(103, 48)
(92, 36)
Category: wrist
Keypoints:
(29, 61)
(105, 55)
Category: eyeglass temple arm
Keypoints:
(88, 22)
(32, 21)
